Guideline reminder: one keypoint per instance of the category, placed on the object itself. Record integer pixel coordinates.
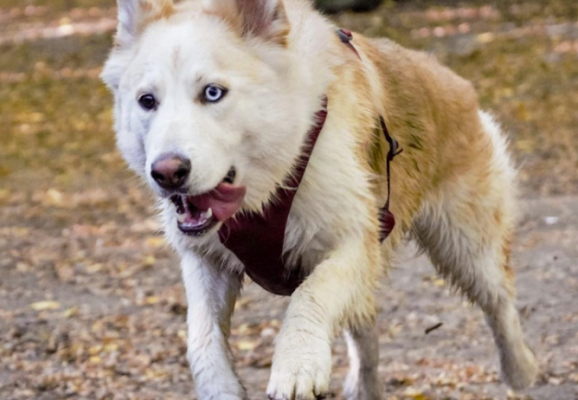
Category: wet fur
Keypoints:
(453, 186)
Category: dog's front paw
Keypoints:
(297, 380)
(301, 368)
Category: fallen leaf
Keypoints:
(72, 311)
(45, 305)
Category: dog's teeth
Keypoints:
(206, 215)
(181, 217)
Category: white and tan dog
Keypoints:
(214, 102)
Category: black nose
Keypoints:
(170, 171)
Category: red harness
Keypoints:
(257, 239)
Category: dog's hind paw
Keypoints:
(301, 373)
(519, 369)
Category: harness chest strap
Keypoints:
(257, 239)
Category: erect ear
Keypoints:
(134, 15)
(258, 18)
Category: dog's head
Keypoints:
(211, 103)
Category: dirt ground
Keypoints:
(91, 303)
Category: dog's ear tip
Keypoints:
(133, 15)
(266, 19)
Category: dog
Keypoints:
(272, 140)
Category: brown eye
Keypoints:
(213, 93)
(148, 102)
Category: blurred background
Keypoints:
(91, 303)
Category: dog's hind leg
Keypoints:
(362, 381)
(466, 229)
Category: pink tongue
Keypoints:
(225, 200)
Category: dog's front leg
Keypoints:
(211, 295)
(340, 291)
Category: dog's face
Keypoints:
(209, 105)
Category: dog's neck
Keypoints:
(257, 239)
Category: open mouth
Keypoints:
(191, 220)
(197, 215)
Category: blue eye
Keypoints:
(213, 94)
